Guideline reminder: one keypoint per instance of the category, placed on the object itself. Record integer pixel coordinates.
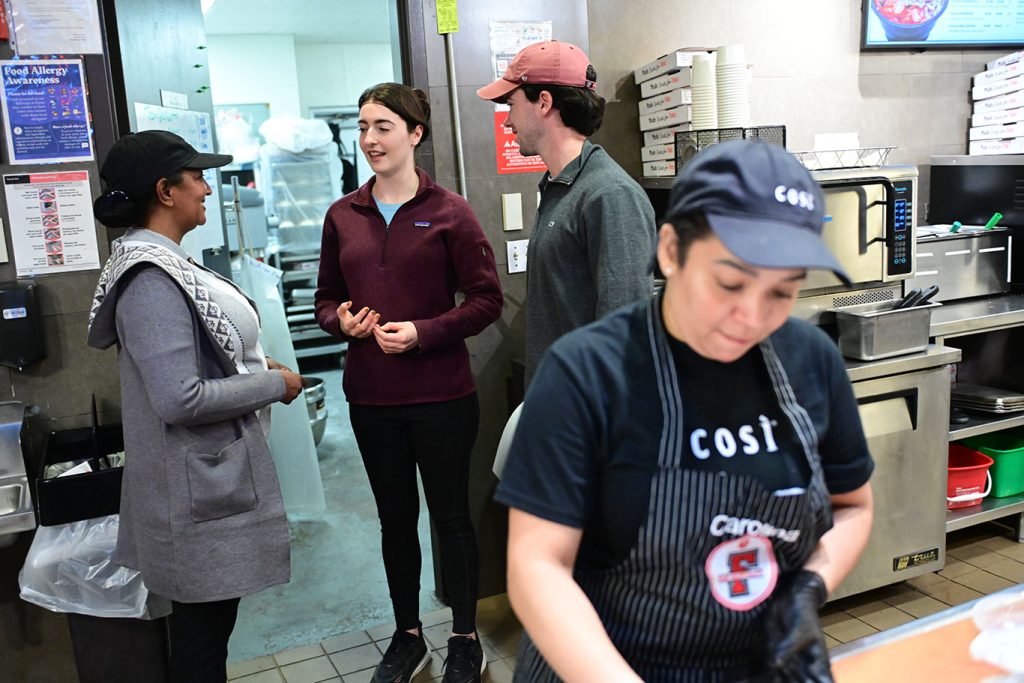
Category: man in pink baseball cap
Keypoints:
(590, 249)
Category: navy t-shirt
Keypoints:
(586, 447)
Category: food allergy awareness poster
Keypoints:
(45, 114)
(508, 38)
(51, 222)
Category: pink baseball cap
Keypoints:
(549, 63)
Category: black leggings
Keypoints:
(437, 437)
(199, 640)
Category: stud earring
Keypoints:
(667, 271)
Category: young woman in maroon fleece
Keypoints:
(394, 254)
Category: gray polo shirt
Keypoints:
(590, 251)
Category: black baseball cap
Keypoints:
(139, 160)
(760, 201)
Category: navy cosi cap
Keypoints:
(760, 201)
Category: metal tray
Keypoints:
(873, 331)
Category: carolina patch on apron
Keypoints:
(742, 572)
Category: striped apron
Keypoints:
(687, 602)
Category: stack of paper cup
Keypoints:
(703, 84)
(733, 87)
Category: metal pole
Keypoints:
(453, 93)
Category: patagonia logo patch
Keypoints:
(422, 224)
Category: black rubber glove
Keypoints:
(794, 642)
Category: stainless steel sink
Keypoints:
(16, 511)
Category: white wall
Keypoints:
(337, 74)
(253, 69)
(809, 74)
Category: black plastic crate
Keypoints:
(689, 143)
(71, 498)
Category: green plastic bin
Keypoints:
(1006, 448)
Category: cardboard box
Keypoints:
(658, 152)
(1014, 146)
(991, 118)
(673, 98)
(1000, 131)
(1006, 60)
(665, 118)
(996, 88)
(1009, 101)
(659, 169)
(1002, 73)
(670, 63)
(656, 86)
(665, 136)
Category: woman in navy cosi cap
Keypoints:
(689, 476)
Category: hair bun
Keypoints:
(115, 209)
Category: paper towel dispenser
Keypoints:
(22, 341)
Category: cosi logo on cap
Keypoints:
(794, 197)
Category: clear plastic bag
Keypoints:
(68, 569)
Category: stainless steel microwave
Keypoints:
(869, 225)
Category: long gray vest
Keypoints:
(201, 510)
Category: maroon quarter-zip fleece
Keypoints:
(408, 271)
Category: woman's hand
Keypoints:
(396, 337)
(274, 365)
(361, 324)
(293, 385)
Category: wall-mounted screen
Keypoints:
(916, 24)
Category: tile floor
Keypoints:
(980, 560)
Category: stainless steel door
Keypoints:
(906, 421)
(855, 232)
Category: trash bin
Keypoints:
(111, 649)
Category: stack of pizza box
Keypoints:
(997, 122)
(665, 99)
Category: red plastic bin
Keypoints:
(969, 479)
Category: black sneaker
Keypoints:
(406, 656)
(465, 662)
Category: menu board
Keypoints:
(943, 23)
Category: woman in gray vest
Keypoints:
(201, 511)
(689, 476)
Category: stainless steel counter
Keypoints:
(929, 358)
(977, 315)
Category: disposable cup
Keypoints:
(703, 69)
(732, 54)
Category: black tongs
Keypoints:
(917, 297)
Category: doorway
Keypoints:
(299, 66)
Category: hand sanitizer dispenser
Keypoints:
(21, 325)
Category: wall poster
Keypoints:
(508, 38)
(51, 222)
(55, 27)
(46, 118)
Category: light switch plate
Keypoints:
(516, 255)
(512, 211)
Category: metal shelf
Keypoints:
(984, 424)
(656, 182)
(990, 508)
